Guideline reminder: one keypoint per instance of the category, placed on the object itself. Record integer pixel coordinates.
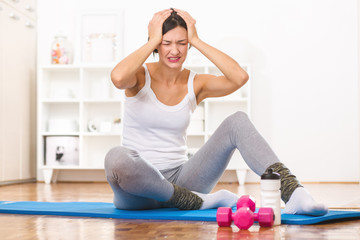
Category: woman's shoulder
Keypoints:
(200, 78)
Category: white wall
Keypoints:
(304, 58)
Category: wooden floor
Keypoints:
(50, 227)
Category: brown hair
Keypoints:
(173, 21)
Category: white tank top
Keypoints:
(155, 130)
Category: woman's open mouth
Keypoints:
(174, 59)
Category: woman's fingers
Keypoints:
(186, 16)
(165, 11)
(163, 14)
(190, 22)
(155, 24)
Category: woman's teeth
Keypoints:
(174, 59)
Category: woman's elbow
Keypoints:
(117, 80)
(245, 77)
(242, 78)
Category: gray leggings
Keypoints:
(139, 185)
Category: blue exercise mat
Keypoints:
(107, 210)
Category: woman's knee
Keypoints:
(237, 121)
(238, 117)
(119, 159)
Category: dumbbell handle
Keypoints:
(246, 201)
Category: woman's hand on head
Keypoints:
(190, 23)
(156, 23)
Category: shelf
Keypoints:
(78, 66)
(226, 100)
(98, 134)
(71, 167)
(196, 134)
(61, 82)
(97, 66)
(47, 134)
(199, 65)
(60, 67)
(195, 141)
(95, 149)
(60, 100)
(102, 117)
(102, 101)
(97, 85)
(51, 173)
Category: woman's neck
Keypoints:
(165, 74)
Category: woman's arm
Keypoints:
(124, 75)
(210, 85)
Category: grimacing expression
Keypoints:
(174, 46)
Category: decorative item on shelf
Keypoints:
(101, 36)
(92, 126)
(61, 50)
(102, 126)
(117, 123)
(100, 48)
(63, 125)
(62, 151)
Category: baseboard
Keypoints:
(32, 180)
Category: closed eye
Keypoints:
(182, 42)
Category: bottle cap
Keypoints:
(270, 174)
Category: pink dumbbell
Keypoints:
(246, 201)
(244, 217)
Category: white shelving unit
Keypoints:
(80, 101)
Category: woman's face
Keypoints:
(173, 48)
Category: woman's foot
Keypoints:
(301, 202)
(221, 198)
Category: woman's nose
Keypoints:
(174, 50)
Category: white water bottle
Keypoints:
(270, 193)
